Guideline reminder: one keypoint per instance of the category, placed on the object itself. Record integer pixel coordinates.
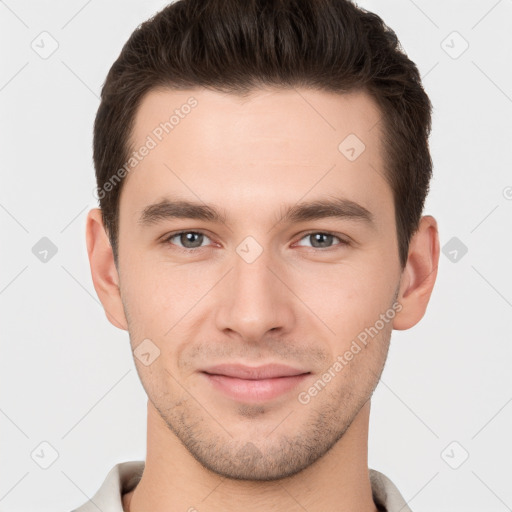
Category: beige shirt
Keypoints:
(123, 477)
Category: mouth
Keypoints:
(254, 384)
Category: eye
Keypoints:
(323, 239)
(190, 240)
(193, 240)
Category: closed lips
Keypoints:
(269, 371)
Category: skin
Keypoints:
(250, 157)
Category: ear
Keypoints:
(103, 269)
(419, 274)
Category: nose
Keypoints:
(255, 299)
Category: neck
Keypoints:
(174, 480)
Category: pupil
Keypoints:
(322, 235)
(189, 238)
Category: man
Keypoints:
(262, 168)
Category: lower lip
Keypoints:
(254, 390)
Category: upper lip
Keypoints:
(241, 371)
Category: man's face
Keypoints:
(259, 288)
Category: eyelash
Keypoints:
(167, 240)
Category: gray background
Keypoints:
(67, 375)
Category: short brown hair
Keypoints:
(236, 46)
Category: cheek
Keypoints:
(160, 293)
(347, 297)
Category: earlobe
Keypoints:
(103, 270)
(419, 274)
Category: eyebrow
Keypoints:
(339, 208)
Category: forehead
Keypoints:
(271, 146)
(274, 114)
